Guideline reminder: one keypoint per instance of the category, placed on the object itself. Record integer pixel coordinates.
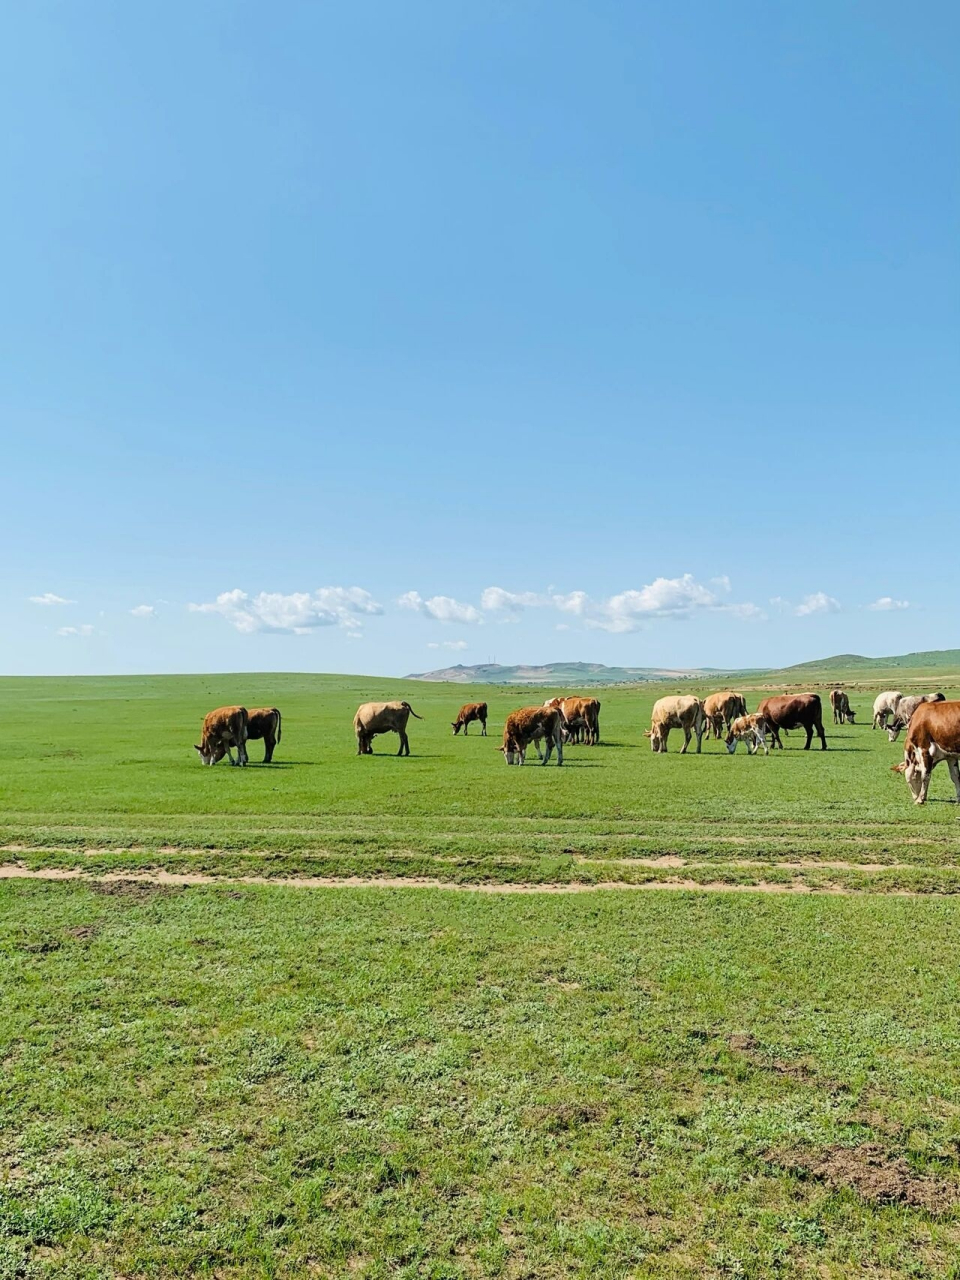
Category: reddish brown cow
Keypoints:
(469, 712)
(581, 717)
(222, 729)
(794, 711)
(530, 724)
(264, 722)
(933, 735)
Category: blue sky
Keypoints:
(376, 337)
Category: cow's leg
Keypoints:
(404, 744)
(560, 749)
(699, 733)
(954, 768)
(483, 728)
(536, 743)
(822, 736)
(548, 743)
(687, 735)
(268, 744)
(230, 756)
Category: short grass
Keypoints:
(270, 1082)
(101, 774)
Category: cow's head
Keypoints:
(210, 754)
(849, 717)
(511, 752)
(457, 724)
(893, 733)
(910, 768)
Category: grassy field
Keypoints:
(256, 1080)
(101, 774)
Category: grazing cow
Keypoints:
(749, 729)
(530, 724)
(933, 735)
(382, 717)
(721, 709)
(840, 703)
(222, 729)
(264, 722)
(885, 704)
(681, 712)
(581, 718)
(904, 712)
(469, 712)
(794, 711)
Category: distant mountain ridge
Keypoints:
(553, 673)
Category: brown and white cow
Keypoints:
(749, 729)
(721, 709)
(382, 717)
(264, 722)
(904, 712)
(532, 724)
(933, 735)
(581, 718)
(680, 712)
(468, 713)
(840, 705)
(222, 729)
(794, 711)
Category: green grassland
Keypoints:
(101, 774)
(250, 1079)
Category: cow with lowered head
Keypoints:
(532, 724)
(794, 711)
(222, 729)
(933, 735)
(382, 717)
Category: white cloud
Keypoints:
(49, 598)
(84, 630)
(681, 597)
(448, 644)
(818, 602)
(887, 602)
(296, 614)
(143, 611)
(496, 600)
(441, 608)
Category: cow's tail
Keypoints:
(245, 723)
(276, 712)
(413, 713)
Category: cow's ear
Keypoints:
(899, 768)
(196, 748)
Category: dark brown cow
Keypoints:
(469, 712)
(222, 729)
(264, 722)
(933, 735)
(530, 724)
(794, 711)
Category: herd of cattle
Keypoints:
(932, 725)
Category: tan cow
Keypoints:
(581, 717)
(382, 717)
(222, 729)
(681, 712)
(264, 722)
(467, 714)
(721, 709)
(840, 704)
(531, 724)
(749, 729)
(933, 735)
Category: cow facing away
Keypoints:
(840, 705)
(933, 735)
(532, 724)
(264, 722)
(794, 711)
(581, 718)
(681, 712)
(222, 729)
(885, 704)
(382, 717)
(904, 712)
(721, 709)
(467, 714)
(749, 729)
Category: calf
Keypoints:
(681, 712)
(749, 729)
(794, 711)
(531, 724)
(721, 709)
(264, 722)
(382, 717)
(222, 729)
(467, 714)
(581, 718)
(933, 735)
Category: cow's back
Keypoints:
(935, 723)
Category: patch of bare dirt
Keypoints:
(872, 1172)
(749, 1046)
(82, 932)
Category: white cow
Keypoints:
(885, 704)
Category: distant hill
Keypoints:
(929, 658)
(558, 673)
